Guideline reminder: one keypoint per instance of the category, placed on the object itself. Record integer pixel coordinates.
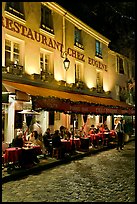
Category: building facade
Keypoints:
(36, 39)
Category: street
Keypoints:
(108, 176)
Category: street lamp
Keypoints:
(66, 63)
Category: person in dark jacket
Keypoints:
(46, 141)
(120, 133)
(18, 140)
(56, 141)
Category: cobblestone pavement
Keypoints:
(108, 176)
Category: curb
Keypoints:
(41, 167)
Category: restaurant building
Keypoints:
(37, 37)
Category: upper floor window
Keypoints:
(78, 72)
(120, 67)
(44, 62)
(117, 91)
(78, 38)
(99, 82)
(127, 67)
(15, 8)
(133, 71)
(98, 49)
(12, 52)
(46, 19)
(46, 67)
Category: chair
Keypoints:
(3, 164)
(4, 146)
(56, 152)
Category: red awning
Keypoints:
(63, 101)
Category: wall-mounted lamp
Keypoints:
(66, 61)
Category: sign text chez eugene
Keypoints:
(39, 37)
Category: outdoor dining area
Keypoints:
(28, 154)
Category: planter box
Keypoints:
(36, 76)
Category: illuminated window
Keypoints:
(46, 19)
(117, 90)
(120, 67)
(12, 52)
(78, 72)
(15, 8)
(44, 62)
(46, 66)
(78, 38)
(127, 68)
(98, 49)
(99, 82)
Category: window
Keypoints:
(15, 8)
(133, 71)
(12, 52)
(117, 90)
(78, 38)
(46, 65)
(127, 68)
(46, 19)
(99, 82)
(120, 68)
(98, 49)
(44, 62)
(51, 117)
(78, 72)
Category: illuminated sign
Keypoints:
(39, 37)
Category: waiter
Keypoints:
(37, 127)
(120, 133)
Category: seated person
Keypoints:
(46, 142)
(67, 134)
(92, 130)
(18, 140)
(102, 129)
(106, 128)
(56, 143)
(36, 141)
(31, 137)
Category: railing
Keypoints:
(46, 76)
(13, 69)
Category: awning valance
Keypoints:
(59, 100)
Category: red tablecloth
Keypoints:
(76, 142)
(37, 149)
(66, 144)
(112, 133)
(12, 154)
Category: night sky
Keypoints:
(115, 20)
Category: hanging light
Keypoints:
(66, 63)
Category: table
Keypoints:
(76, 142)
(38, 150)
(106, 138)
(66, 144)
(29, 155)
(96, 139)
(84, 143)
(13, 155)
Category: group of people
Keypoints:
(100, 128)
(48, 141)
